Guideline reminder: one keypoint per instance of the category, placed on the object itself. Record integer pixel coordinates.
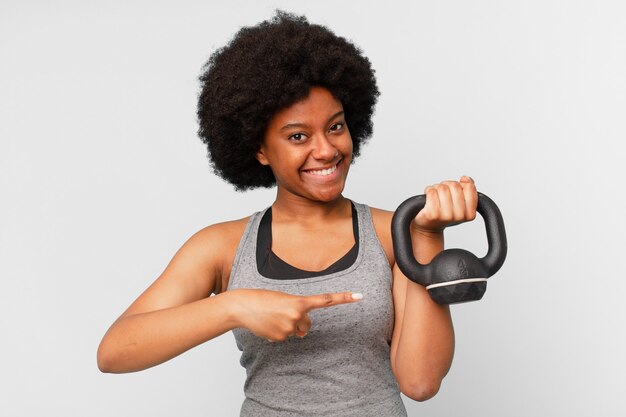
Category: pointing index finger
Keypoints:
(331, 299)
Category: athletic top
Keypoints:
(341, 367)
(271, 266)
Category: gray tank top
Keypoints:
(342, 367)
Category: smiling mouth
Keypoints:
(323, 172)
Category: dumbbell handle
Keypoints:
(403, 246)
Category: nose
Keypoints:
(323, 149)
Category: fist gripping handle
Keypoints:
(454, 275)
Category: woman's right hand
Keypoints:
(275, 315)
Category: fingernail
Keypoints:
(357, 296)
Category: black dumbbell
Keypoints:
(454, 275)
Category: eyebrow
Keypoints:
(294, 125)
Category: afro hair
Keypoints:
(266, 68)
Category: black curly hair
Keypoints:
(266, 68)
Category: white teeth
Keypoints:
(324, 171)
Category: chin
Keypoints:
(330, 195)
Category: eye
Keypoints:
(297, 137)
(337, 126)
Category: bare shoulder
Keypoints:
(217, 245)
(382, 224)
(198, 269)
(225, 231)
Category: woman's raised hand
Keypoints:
(447, 204)
(275, 315)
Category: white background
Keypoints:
(103, 178)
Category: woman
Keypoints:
(309, 286)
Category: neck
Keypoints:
(289, 207)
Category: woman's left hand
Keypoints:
(447, 204)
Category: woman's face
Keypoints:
(308, 147)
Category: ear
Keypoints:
(260, 156)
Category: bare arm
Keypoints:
(423, 339)
(176, 313)
(422, 345)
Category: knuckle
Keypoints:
(443, 189)
(301, 303)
